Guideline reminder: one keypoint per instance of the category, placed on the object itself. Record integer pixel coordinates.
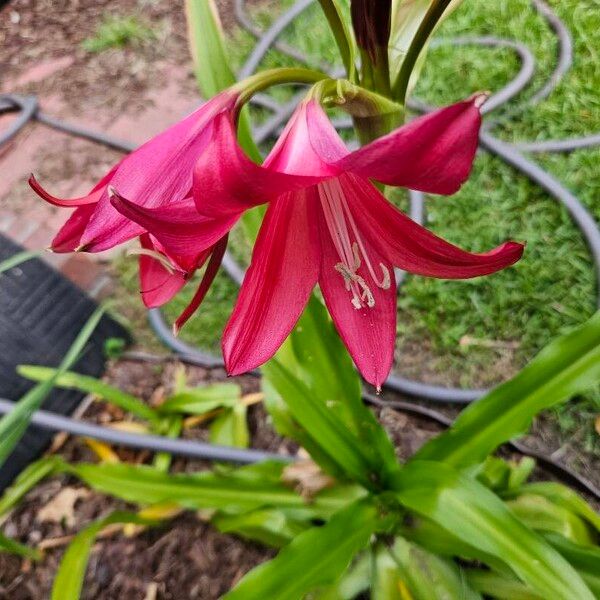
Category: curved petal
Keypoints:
(308, 144)
(157, 173)
(68, 238)
(91, 198)
(282, 274)
(413, 248)
(226, 181)
(209, 276)
(433, 153)
(158, 285)
(184, 234)
(369, 333)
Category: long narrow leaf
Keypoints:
(14, 424)
(16, 259)
(69, 579)
(498, 586)
(562, 496)
(12, 547)
(585, 559)
(474, 514)
(315, 558)
(90, 385)
(316, 380)
(200, 400)
(314, 416)
(569, 365)
(230, 491)
(27, 479)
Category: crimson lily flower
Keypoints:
(158, 172)
(326, 223)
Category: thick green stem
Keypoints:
(266, 79)
(433, 15)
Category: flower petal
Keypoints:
(91, 198)
(412, 247)
(68, 239)
(433, 153)
(157, 284)
(226, 181)
(157, 173)
(368, 333)
(184, 234)
(276, 288)
(209, 275)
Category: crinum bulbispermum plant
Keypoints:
(449, 523)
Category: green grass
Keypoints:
(117, 32)
(510, 316)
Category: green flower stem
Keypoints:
(433, 15)
(266, 79)
(341, 33)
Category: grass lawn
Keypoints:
(478, 332)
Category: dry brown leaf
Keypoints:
(62, 506)
(307, 477)
(597, 424)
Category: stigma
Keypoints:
(350, 247)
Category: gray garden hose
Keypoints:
(156, 443)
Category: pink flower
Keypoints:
(156, 174)
(327, 224)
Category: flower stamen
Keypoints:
(351, 253)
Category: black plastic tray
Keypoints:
(41, 313)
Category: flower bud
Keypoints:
(371, 20)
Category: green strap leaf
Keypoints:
(585, 559)
(268, 526)
(541, 514)
(14, 424)
(563, 496)
(16, 259)
(331, 434)
(200, 400)
(69, 579)
(425, 575)
(567, 366)
(13, 547)
(315, 558)
(315, 378)
(26, 480)
(474, 514)
(231, 428)
(498, 586)
(230, 491)
(90, 385)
